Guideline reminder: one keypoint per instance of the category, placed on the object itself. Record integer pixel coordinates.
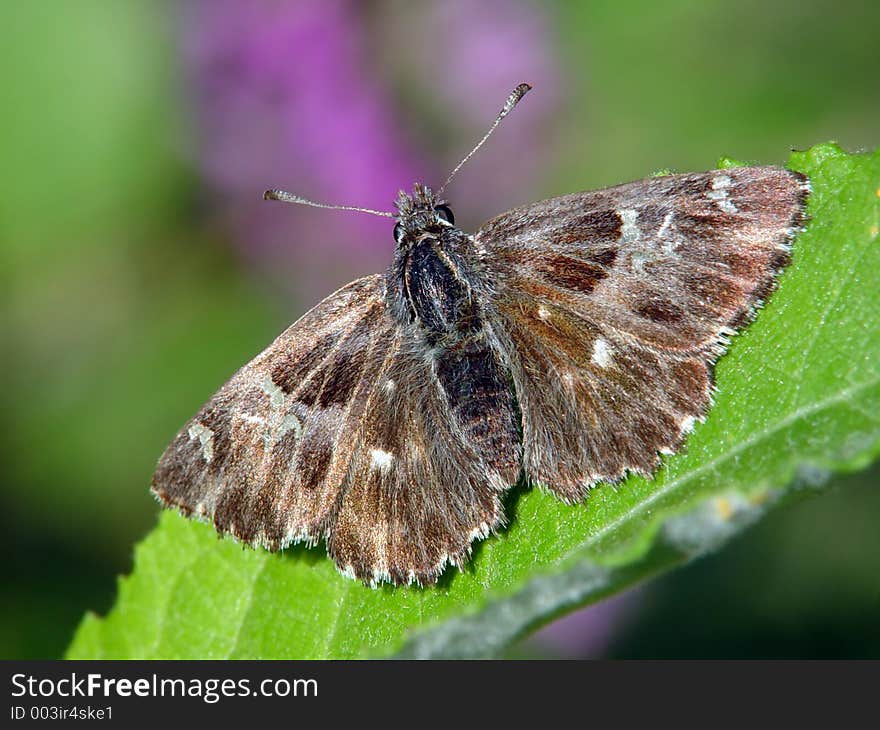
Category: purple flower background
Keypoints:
(346, 103)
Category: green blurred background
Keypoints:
(139, 269)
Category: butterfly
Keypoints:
(565, 343)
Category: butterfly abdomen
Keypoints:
(475, 384)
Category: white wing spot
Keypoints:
(381, 460)
(206, 437)
(667, 221)
(668, 244)
(389, 386)
(639, 259)
(601, 353)
(629, 230)
(250, 418)
(276, 395)
(718, 193)
(543, 313)
(290, 423)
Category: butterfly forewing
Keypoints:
(614, 304)
(235, 461)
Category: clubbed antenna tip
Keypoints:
(518, 93)
(285, 197)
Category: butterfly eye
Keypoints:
(398, 232)
(445, 213)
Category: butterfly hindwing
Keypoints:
(614, 304)
(418, 491)
(341, 430)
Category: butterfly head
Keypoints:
(420, 213)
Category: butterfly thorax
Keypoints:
(434, 281)
(438, 291)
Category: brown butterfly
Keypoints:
(568, 342)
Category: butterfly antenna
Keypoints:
(518, 93)
(286, 197)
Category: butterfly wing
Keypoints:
(614, 304)
(418, 490)
(338, 430)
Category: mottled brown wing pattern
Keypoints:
(418, 492)
(338, 431)
(613, 306)
(234, 462)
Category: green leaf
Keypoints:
(798, 397)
